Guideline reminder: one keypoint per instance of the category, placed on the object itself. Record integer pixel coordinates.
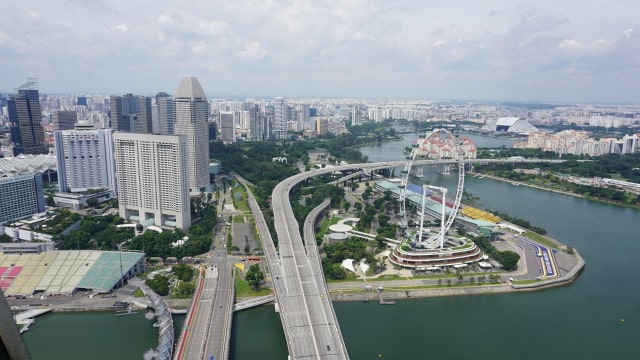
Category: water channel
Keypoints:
(596, 317)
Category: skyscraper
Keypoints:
(151, 177)
(64, 120)
(85, 160)
(131, 113)
(304, 113)
(26, 115)
(256, 123)
(322, 125)
(355, 116)
(227, 127)
(166, 113)
(279, 119)
(192, 114)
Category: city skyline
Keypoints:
(547, 51)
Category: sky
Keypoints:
(497, 50)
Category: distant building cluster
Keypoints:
(93, 144)
(152, 156)
(445, 146)
(579, 143)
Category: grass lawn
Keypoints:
(540, 239)
(138, 293)
(324, 227)
(465, 246)
(388, 277)
(243, 289)
(242, 204)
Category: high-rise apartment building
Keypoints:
(280, 120)
(192, 115)
(131, 113)
(322, 125)
(64, 120)
(356, 117)
(151, 177)
(85, 160)
(166, 113)
(21, 196)
(25, 114)
(256, 123)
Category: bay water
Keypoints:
(596, 317)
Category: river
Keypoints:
(93, 335)
(581, 321)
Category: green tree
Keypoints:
(254, 276)
(93, 202)
(509, 260)
(186, 288)
(183, 272)
(159, 284)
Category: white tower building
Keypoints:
(280, 118)
(152, 179)
(192, 114)
(85, 160)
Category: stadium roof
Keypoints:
(507, 121)
(61, 272)
(27, 164)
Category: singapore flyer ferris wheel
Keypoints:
(457, 153)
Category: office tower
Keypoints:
(355, 116)
(192, 115)
(166, 113)
(64, 120)
(22, 196)
(227, 127)
(151, 177)
(213, 130)
(279, 126)
(131, 113)
(85, 160)
(82, 101)
(26, 115)
(155, 126)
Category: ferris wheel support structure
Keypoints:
(432, 241)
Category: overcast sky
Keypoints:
(543, 50)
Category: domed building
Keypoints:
(509, 124)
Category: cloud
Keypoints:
(570, 44)
(370, 47)
(119, 28)
(252, 51)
